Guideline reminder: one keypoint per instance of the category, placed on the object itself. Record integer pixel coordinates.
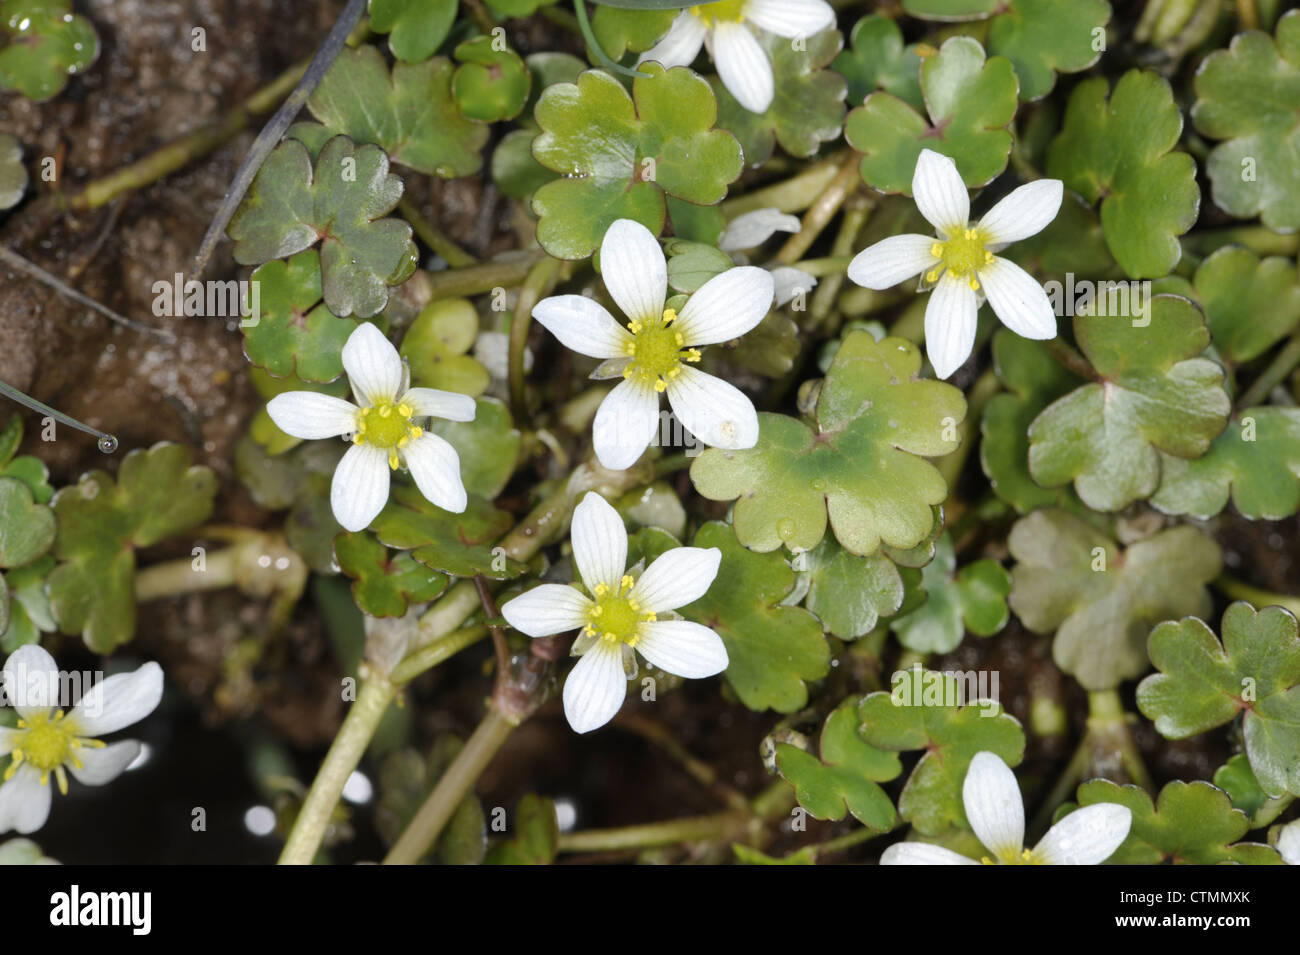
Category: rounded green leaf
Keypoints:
(877, 60)
(849, 594)
(384, 583)
(435, 346)
(295, 333)
(26, 528)
(415, 28)
(47, 43)
(490, 84)
(974, 599)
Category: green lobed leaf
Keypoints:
(384, 584)
(296, 333)
(1118, 152)
(1101, 602)
(435, 346)
(1237, 779)
(849, 594)
(340, 203)
(27, 606)
(973, 598)
(970, 102)
(846, 776)
(415, 28)
(860, 469)
(26, 527)
(455, 544)
(1044, 37)
(876, 59)
(620, 30)
(534, 838)
(489, 84)
(47, 43)
(1255, 671)
(488, 446)
(1250, 303)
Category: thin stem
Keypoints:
(107, 443)
(478, 279)
(1282, 365)
(345, 753)
(699, 770)
(540, 278)
(430, 655)
(720, 827)
(1247, 15)
(846, 182)
(179, 576)
(430, 235)
(490, 611)
(847, 841)
(790, 195)
(1064, 787)
(1255, 596)
(451, 789)
(1070, 359)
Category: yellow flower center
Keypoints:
(387, 426)
(1026, 857)
(723, 11)
(962, 255)
(616, 617)
(48, 743)
(656, 351)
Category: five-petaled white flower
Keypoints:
(383, 430)
(653, 353)
(996, 813)
(960, 263)
(621, 615)
(49, 742)
(724, 26)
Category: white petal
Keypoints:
(633, 268)
(435, 465)
(790, 18)
(1023, 212)
(950, 324)
(359, 490)
(754, 228)
(374, 368)
(625, 424)
(727, 306)
(677, 577)
(1017, 299)
(24, 802)
(743, 66)
(788, 282)
(433, 402)
(119, 700)
(717, 413)
(583, 326)
(1288, 843)
(680, 45)
(546, 610)
(891, 261)
(1087, 836)
(994, 807)
(100, 766)
(940, 192)
(596, 687)
(599, 542)
(8, 740)
(31, 681)
(682, 648)
(312, 416)
(922, 853)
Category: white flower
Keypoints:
(754, 228)
(654, 352)
(724, 26)
(48, 742)
(383, 430)
(621, 615)
(1288, 843)
(962, 263)
(1087, 836)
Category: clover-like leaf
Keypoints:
(1118, 152)
(620, 154)
(489, 84)
(876, 59)
(973, 598)
(847, 775)
(691, 264)
(26, 527)
(1155, 394)
(27, 468)
(951, 9)
(534, 837)
(933, 712)
(620, 30)
(860, 469)
(435, 346)
(1246, 96)
(295, 332)
(410, 113)
(970, 102)
(1190, 823)
(455, 544)
(384, 583)
(101, 522)
(807, 109)
(488, 446)
(506, 9)
(1044, 37)
(1237, 779)
(340, 203)
(47, 43)
(26, 604)
(13, 174)
(774, 651)
(1034, 380)
(415, 28)
(1255, 671)
(849, 594)
(1256, 462)
(1072, 579)
(1250, 303)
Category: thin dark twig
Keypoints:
(498, 635)
(273, 131)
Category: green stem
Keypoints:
(344, 755)
(846, 182)
(855, 838)
(451, 789)
(479, 279)
(1070, 359)
(431, 236)
(430, 655)
(1247, 15)
(1282, 365)
(720, 827)
(540, 278)
(179, 576)
(790, 195)
(1255, 596)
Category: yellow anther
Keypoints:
(404, 440)
(651, 618)
(405, 410)
(598, 611)
(660, 385)
(416, 432)
(936, 250)
(679, 339)
(392, 459)
(385, 410)
(932, 275)
(601, 590)
(626, 583)
(974, 285)
(634, 327)
(356, 438)
(670, 316)
(692, 354)
(988, 258)
(627, 372)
